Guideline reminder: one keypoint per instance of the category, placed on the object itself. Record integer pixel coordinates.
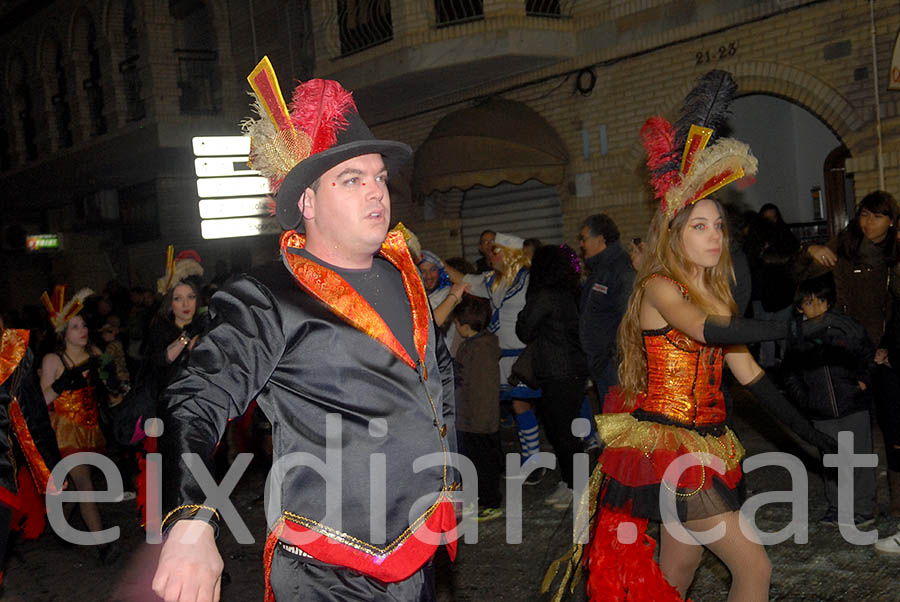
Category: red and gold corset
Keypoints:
(684, 378)
(78, 407)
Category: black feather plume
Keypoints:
(706, 105)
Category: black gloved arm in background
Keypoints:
(771, 398)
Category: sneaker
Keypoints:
(486, 514)
(565, 500)
(536, 476)
(889, 545)
(558, 494)
(863, 520)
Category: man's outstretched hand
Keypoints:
(190, 566)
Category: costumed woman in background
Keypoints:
(679, 328)
(72, 388)
(171, 336)
(506, 287)
(174, 330)
(24, 424)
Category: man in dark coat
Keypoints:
(337, 344)
(604, 298)
(24, 423)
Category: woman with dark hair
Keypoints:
(549, 322)
(862, 258)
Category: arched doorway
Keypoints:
(800, 164)
(507, 161)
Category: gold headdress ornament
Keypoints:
(276, 146)
(684, 166)
(412, 241)
(59, 310)
(178, 268)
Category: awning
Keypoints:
(497, 141)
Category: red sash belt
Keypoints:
(400, 563)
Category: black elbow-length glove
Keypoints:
(771, 398)
(733, 330)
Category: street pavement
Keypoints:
(827, 568)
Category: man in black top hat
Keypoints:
(337, 344)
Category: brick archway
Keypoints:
(783, 81)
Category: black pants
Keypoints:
(296, 579)
(484, 452)
(560, 404)
(860, 424)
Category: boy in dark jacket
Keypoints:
(829, 379)
(477, 376)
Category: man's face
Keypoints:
(349, 214)
(590, 244)
(430, 275)
(486, 244)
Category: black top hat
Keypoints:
(322, 130)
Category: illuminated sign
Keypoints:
(230, 191)
(239, 226)
(43, 242)
(233, 207)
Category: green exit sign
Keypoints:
(42, 242)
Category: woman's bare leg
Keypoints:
(678, 561)
(744, 556)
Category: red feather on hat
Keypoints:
(658, 138)
(318, 108)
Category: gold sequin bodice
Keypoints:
(684, 378)
(78, 406)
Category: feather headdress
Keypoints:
(187, 263)
(60, 310)
(684, 166)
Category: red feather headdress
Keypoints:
(282, 138)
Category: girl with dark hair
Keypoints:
(862, 258)
(549, 322)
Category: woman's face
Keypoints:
(184, 303)
(874, 226)
(702, 237)
(430, 275)
(77, 332)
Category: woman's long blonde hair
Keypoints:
(666, 256)
(513, 261)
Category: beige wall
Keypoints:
(787, 55)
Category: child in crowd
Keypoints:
(477, 373)
(829, 379)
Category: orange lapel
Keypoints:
(12, 349)
(342, 299)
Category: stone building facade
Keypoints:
(99, 100)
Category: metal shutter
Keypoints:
(529, 210)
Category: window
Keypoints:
(452, 12)
(363, 24)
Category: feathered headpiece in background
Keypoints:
(60, 311)
(186, 264)
(684, 166)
